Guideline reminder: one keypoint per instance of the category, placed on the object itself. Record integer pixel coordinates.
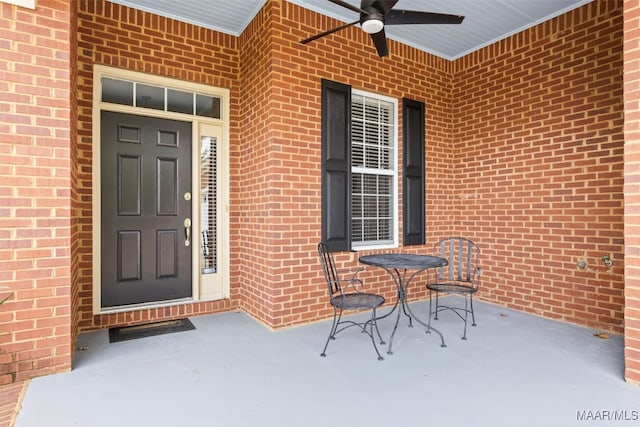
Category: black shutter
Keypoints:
(336, 165)
(413, 172)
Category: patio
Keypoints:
(515, 369)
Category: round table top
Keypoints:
(403, 261)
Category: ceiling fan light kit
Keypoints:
(372, 25)
(375, 14)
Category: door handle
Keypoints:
(187, 231)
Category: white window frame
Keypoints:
(393, 243)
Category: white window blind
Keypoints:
(373, 173)
(208, 204)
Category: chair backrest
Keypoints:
(463, 256)
(329, 268)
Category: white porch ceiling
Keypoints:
(486, 21)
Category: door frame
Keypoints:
(202, 290)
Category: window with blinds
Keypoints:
(208, 204)
(373, 170)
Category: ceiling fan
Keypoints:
(375, 14)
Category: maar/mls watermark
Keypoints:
(608, 415)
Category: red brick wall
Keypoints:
(528, 131)
(558, 200)
(538, 149)
(75, 220)
(524, 154)
(274, 141)
(117, 36)
(35, 141)
(283, 282)
(253, 188)
(632, 189)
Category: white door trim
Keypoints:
(201, 291)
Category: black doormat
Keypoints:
(149, 329)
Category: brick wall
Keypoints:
(632, 189)
(256, 155)
(538, 149)
(274, 140)
(562, 202)
(117, 36)
(546, 178)
(75, 220)
(35, 92)
(283, 282)
(524, 154)
(528, 131)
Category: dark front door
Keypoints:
(146, 209)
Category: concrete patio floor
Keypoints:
(514, 370)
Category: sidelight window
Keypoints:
(208, 204)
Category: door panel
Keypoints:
(166, 251)
(129, 255)
(129, 180)
(166, 183)
(146, 170)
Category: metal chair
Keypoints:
(344, 294)
(461, 276)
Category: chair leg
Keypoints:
(466, 314)
(430, 311)
(374, 324)
(473, 317)
(378, 330)
(436, 316)
(332, 332)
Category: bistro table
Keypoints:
(398, 266)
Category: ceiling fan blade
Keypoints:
(399, 17)
(380, 40)
(347, 5)
(382, 5)
(326, 33)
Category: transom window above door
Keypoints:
(135, 94)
